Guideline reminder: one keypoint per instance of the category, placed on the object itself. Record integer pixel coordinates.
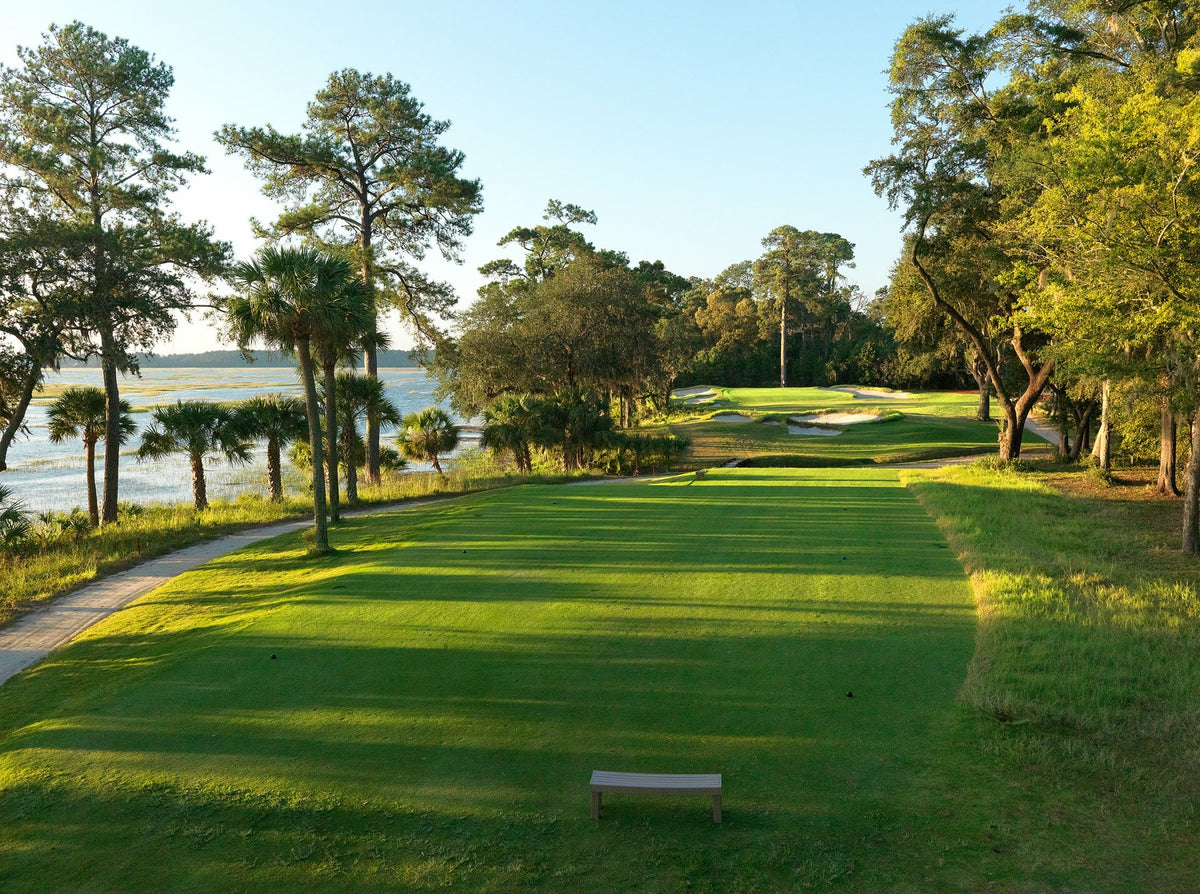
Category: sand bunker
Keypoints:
(698, 391)
(809, 430)
(697, 401)
(731, 417)
(872, 394)
(837, 418)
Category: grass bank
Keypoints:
(422, 710)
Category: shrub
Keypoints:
(995, 464)
(632, 453)
(53, 528)
(14, 523)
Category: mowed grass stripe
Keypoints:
(445, 685)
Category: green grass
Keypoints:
(445, 684)
(39, 576)
(930, 426)
(1077, 746)
(805, 400)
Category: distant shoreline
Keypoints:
(228, 359)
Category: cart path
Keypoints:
(46, 628)
(37, 634)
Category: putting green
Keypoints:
(919, 426)
(424, 709)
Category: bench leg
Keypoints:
(716, 808)
(595, 805)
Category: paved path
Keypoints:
(44, 629)
(41, 631)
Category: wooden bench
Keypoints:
(657, 784)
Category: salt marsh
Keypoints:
(48, 476)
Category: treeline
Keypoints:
(566, 317)
(1047, 172)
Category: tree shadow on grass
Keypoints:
(491, 747)
(221, 838)
(470, 695)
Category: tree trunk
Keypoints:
(1102, 449)
(199, 490)
(320, 528)
(331, 457)
(1015, 411)
(1166, 450)
(1064, 426)
(112, 426)
(1083, 426)
(983, 411)
(1191, 492)
(89, 448)
(371, 357)
(628, 408)
(1011, 434)
(371, 435)
(102, 297)
(274, 476)
(783, 342)
(18, 415)
(348, 438)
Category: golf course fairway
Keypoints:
(423, 709)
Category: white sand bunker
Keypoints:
(809, 430)
(698, 391)
(731, 417)
(872, 394)
(837, 418)
(697, 401)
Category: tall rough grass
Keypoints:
(1089, 624)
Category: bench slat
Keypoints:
(656, 784)
(706, 783)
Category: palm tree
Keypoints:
(81, 411)
(339, 338)
(427, 434)
(357, 397)
(577, 422)
(288, 297)
(277, 419)
(197, 428)
(512, 424)
(14, 524)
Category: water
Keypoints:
(48, 476)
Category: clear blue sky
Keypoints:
(691, 128)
